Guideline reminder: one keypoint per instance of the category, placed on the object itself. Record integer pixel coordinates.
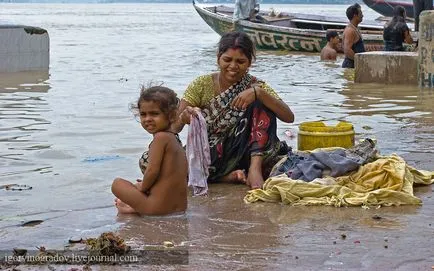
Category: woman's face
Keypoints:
(233, 65)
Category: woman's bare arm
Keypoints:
(407, 37)
(280, 108)
(182, 119)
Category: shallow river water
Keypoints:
(68, 133)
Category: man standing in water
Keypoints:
(418, 7)
(352, 38)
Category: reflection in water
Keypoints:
(400, 117)
(30, 81)
(216, 229)
(22, 100)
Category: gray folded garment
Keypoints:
(339, 161)
(313, 167)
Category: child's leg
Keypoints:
(124, 208)
(129, 197)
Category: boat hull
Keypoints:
(277, 38)
(385, 7)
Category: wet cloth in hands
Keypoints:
(386, 181)
(198, 155)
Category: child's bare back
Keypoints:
(169, 193)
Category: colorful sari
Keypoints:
(236, 135)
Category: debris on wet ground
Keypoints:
(15, 187)
(376, 217)
(20, 252)
(107, 244)
(32, 223)
(168, 244)
(356, 242)
(92, 159)
(75, 240)
(290, 134)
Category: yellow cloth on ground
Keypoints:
(386, 181)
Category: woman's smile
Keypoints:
(233, 65)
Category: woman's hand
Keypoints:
(245, 98)
(187, 113)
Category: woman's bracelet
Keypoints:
(254, 91)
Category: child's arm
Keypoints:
(156, 154)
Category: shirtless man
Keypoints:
(329, 51)
(352, 38)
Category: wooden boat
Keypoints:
(385, 7)
(288, 31)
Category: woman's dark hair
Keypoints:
(398, 16)
(237, 40)
(399, 11)
(353, 10)
(163, 96)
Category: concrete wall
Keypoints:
(386, 67)
(426, 49)
(23, 48)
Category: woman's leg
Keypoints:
(254, 177)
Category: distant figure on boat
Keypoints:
(329, 51)
(245, 10)
(396, 31)
(352, 38)
(418, 7)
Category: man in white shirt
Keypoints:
(245, 10)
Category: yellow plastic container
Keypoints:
(316, 134)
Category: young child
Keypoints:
(163, 189)
(329, 51)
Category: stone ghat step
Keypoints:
(386, 67)
(23, 48)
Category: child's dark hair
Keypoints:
(237, 40)
(163, 96)
(331, 34)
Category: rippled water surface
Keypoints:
(68, 132)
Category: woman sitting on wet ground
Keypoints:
(240, 111)
(396, 31)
